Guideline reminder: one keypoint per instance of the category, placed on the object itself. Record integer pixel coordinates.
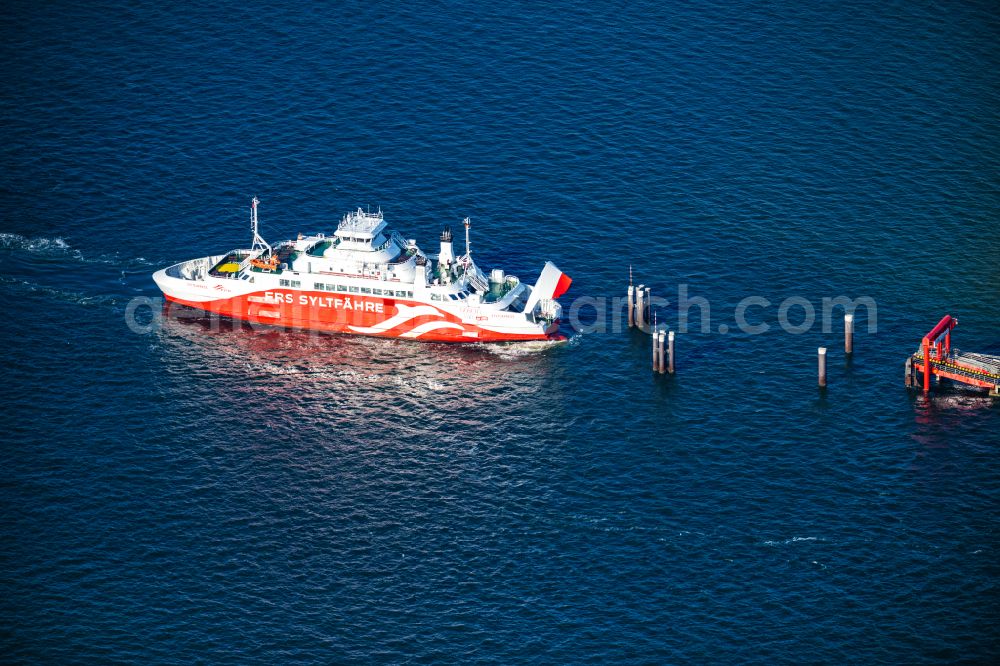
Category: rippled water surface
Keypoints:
(208, 492)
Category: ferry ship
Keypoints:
(366, 279)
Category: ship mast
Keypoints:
(468, 250)
(258, 242)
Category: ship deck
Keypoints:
(229, 265)
(286, 255)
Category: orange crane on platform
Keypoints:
(936, 357)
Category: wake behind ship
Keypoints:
(368, 280)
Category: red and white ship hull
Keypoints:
(364, 281)
(383, 317)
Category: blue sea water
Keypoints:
(209, 493)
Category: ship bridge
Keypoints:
(361, 227)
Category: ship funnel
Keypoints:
(447, 254)
(420, 271)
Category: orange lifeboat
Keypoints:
(268, 265)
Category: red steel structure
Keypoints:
(936, 357)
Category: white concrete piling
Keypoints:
(849, 333)
(822, 366)
(631, 306)
(670, 352)
(661, 341)
(647, 301)
(656, 351)
(640, 310)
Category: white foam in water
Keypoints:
(24, 286)
(58, 246)
(19, 242)
(792, 540)
(518, 349)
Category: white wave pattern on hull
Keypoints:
(404, 313)
(430, 326)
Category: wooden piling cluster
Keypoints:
(641, 308)
(642, 316)
(639, 305)
(663, 353)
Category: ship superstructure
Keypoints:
(369, 280)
